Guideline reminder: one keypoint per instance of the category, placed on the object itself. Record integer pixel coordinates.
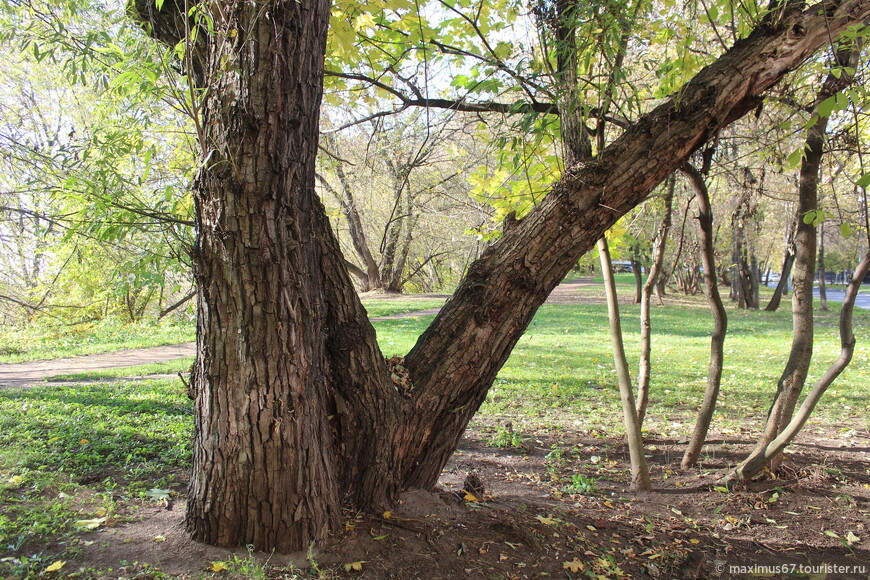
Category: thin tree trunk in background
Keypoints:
(720, 319)
(670, 273)
(793, 378)
(369, 275)
(782, 285)
(638, 279)
(752, 467)
(658, 258)
(823, 293)
(639, 470)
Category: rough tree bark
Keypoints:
(295, 410)
(720, 316)
(793, 378)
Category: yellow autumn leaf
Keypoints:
(470, 496)
(55, 567)
(388, 514)
(91, 524)
(574, 565)
(354, 566)
(16, 480)
(83, 442)
(547, 521)
(694, 541)
(218, 566)
(851, 538)
(159, 539)
(363, 21)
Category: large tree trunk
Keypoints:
(793, 378)
(263, 441)
(295, 410)
(286, 358)
(720, 318)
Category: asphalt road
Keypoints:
(862, 301)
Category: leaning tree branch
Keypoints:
(495, 302)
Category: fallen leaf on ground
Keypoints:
(354, 566)
(91, 524)
(55, 567)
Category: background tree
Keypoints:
(94, 172)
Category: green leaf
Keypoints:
(864, 181)
(826, 107)
(796, 157)
(846, 229)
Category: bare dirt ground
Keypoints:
(524, 521)
(554, 505)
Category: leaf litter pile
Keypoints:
(554, 504)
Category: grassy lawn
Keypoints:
(43, 342)
(69, 453)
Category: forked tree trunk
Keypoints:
(720, 318)
(639, 470)
(750, 468)
(793, 378)
(658, 258)
(295, 411)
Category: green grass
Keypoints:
(563, 367)
(384, 307)
(45, 342)
(42, 342)
(68, 452)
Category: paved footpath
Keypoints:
(27, 373)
